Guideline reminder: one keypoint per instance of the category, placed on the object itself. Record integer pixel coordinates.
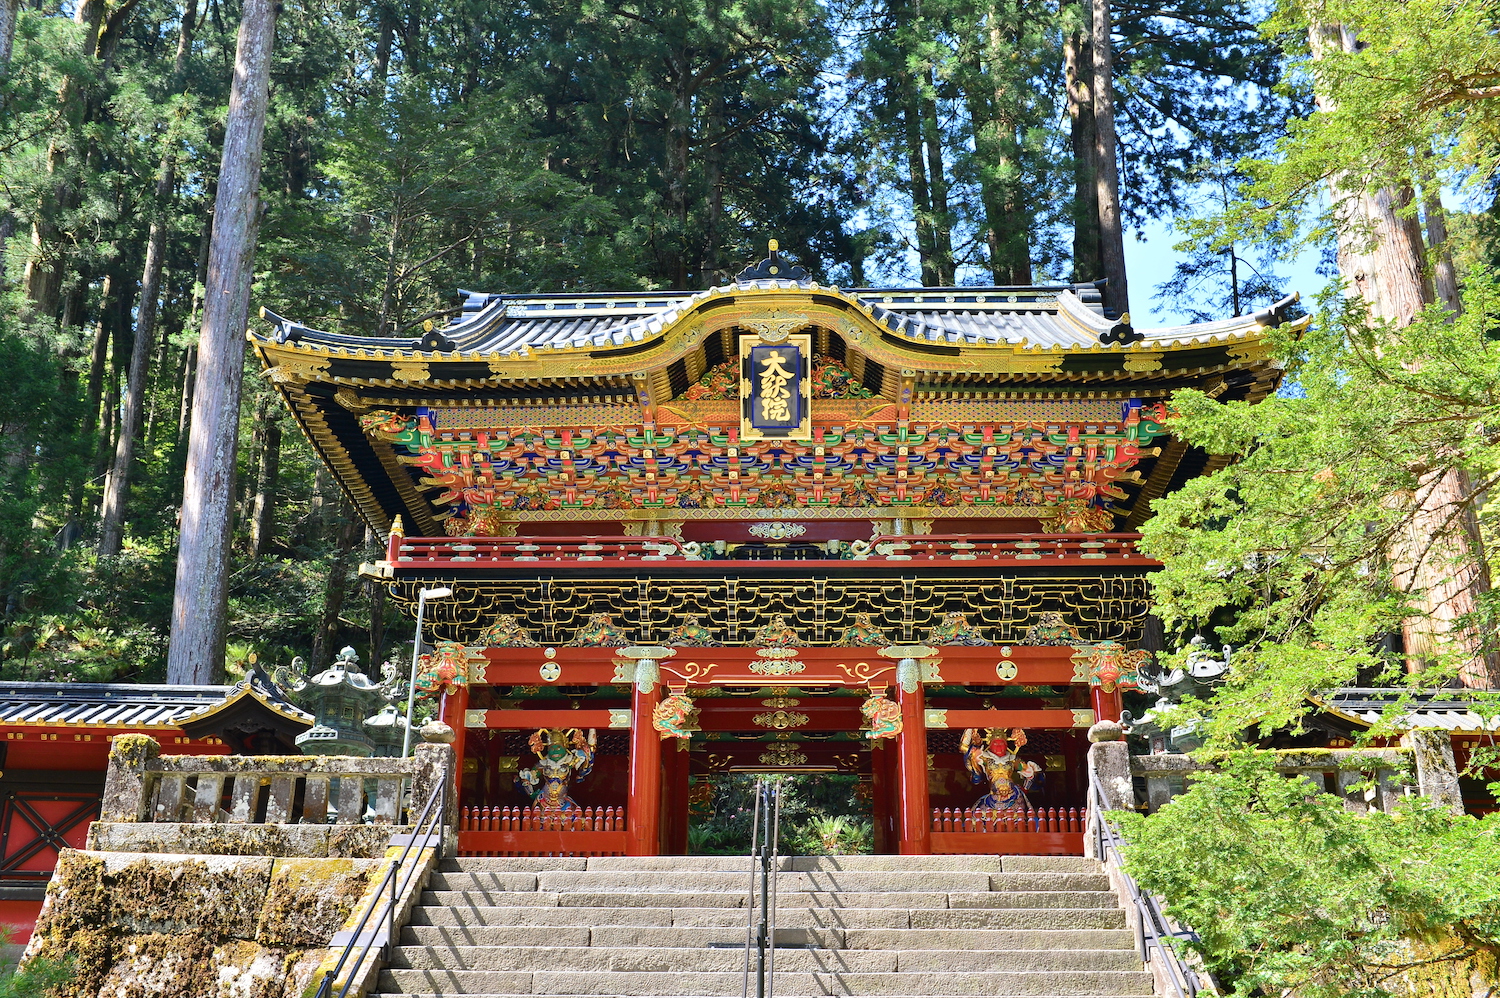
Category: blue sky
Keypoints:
(1150, 262)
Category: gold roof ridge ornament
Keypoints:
(772, 268)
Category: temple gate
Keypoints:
(770, 526)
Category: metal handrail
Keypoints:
(432, 818)
(1152, 926)
(765, 835)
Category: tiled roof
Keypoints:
(1447, 709)
(103, 704)
(1047, 317)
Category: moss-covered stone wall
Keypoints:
(164, 926)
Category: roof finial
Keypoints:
(772, 268)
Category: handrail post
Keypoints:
(765, 890)
(390, 920)
(775, 887)
(750, 916)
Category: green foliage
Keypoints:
(831, 835)
(40, 978)
(1288, 551)
(1291, 890)
(820, 813)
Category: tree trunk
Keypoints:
(1444, 276)
(189, 381)
(199, 606)
(1078, 68)
(1439, 560)
(679, 144)
(376, 631)
(937, 181)
(385, 36)
(992, 113)
(713, 181)
(98, 357)
(43, 276)
(117, 485)
(920, 200)
(263, 509)
(1106, 168)
(10, 13)
(350, 532)
(190, 356)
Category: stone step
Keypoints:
(811, 918)
(800, 864)
(616, 959)
(806, 917)
(1112, 983)
(626, 984)
(784, 899)
(1009, 940)
(513, 864)
(734, 934)
(977, 864)
(1049, 864)
(1018, 918)
(822, 880)
(610, 935)
(1006, 940)
(675, 864)
(732, 882)
(720, 959)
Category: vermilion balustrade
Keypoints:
(1051, 831)
(530, 831)
(956, 550)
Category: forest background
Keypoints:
(423, 146)
(419, 146)
(413, 148)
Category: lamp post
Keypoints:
(442, 592)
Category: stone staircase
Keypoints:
(846, 925)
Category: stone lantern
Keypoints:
(386, 729)
(344, 700)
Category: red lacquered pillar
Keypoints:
(455, 707)
(1107, 706)
(674, 802)
(643, 807)
(880, 797)
(914, 820)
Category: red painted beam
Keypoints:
(1056, 718)
(527, 720)
(1024, 665)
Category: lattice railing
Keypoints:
(969, 819)
(956, 550)
(532, 831)
(531, 819)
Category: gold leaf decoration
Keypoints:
(780, 720)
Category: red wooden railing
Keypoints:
(956, 550)
(1052, 831)
(1010, 548)
(529, 831)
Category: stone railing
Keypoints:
(1365, 779)
(263, 805)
